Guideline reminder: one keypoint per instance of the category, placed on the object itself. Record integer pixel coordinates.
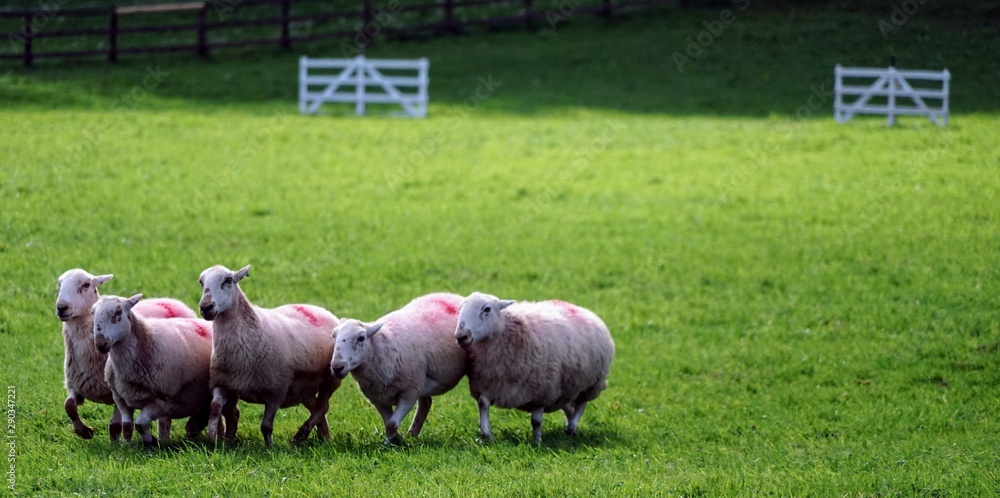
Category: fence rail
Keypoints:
(446, 16)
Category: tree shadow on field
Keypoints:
(766, 61)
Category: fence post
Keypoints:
(606, 9)
(286, 40)
(527, 14)
(113, 34)
(891, 120)
(359, 91)
(366, 15)
(28, 35)
(203, 31)
(449, 15)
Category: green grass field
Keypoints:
(800, 308)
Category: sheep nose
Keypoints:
(62, 308)
(208, 311)
(102, 345)
(340, 371)
(463, 340)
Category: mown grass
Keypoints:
(799, 307)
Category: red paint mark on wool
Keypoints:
(447, 307)
(437, 310)
(201, 329)
(170, 311)
(314, 320)
(569, 308)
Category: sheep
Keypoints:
(276, 357)
(533, 356)
(83, 369)
(413, 358)
(157, 366)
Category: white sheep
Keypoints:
(533, 356)
(157, 366)
(277, 357)
(412, 357)
(83, 368)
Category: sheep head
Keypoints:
(478, 317)
(77, 293)
(219, 288)
(352, 343)
(112, 320)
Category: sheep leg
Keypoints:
(218, 402)
(536, 427)
(568, 411)
(126, 428)
(325, 392)
(147, 415)
(231, 412)
(484, 420)
(81, 429)
(303, 433)
(318, 407)
(163, 429)
(392, 425)
(423, 407)
(115, 426)
(196, 424)
(573, 422)
(126, 416)
(267, 424)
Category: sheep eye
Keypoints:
(487, 309)
(228, 281)
(86, 285)
(361, 339)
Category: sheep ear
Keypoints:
(100, 279)
(132, 301)
(243, 272)
(504, 303)
(371, 329)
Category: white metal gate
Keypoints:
(890, 85)
(364, 81)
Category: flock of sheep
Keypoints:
(157, 357)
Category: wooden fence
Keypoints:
(448, 16)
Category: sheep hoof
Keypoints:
(395, 440)
(300, 436)
(84, 431)
(572, 431)
(152, 442)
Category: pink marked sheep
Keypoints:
(403, 359)
(157, 366)
(535, 357)
(277, 357)
(83, 368)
